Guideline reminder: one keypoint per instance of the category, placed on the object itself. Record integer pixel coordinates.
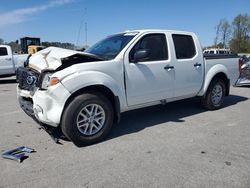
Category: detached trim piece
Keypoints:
(18, 154)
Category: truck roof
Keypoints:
(158, 30)
(4, 45)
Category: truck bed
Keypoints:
(230, 61)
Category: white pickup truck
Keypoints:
(84, 93)
(10, 62)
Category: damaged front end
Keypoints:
(35, 79)
(39, 68)
(244, 78)
(28, 81)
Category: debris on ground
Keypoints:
(228, 163)
(17, 154)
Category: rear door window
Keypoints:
(3, 51)
(184, 46)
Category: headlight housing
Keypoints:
(49, 81)
(46, 81)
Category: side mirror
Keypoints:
(141, 55)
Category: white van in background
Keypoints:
(217, 51)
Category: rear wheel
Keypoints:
(87, 119)
(214, 97)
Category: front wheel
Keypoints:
(87, 119)
(214, 97)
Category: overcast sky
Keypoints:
(64, 20)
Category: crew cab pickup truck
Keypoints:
(84, 93)
(10, 62)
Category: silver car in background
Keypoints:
(244, 78)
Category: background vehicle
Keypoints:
(10, 62)
(29, 41)
(33, 49)
(217, 51)
(244, 67)
(84, 93)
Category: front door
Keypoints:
(149, 79)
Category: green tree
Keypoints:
(217, 29)
(222, 34)
(16, 48)
(225, 32)
(59, 44)
(240, 41)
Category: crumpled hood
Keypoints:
(53, 58)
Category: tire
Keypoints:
(214, 97)
(87, 119)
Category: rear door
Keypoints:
(6, 62)
(188, 65)
(148, 80)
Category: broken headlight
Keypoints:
(46, 81)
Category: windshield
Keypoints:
(110, 47)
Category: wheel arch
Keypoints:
(98, 89)
(218, 71)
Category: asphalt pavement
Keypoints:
(176, 145)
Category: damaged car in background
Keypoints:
(244, 68)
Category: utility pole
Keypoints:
(86, 28)
(79, 33)
(84, 20)
(86, 34)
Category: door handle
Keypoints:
(169, 68)
(197, 65)
(8, 59)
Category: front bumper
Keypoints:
(45, 106)
(27, 106)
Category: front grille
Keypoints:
(27, 78)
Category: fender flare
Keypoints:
(215, 70)
(96, 81)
